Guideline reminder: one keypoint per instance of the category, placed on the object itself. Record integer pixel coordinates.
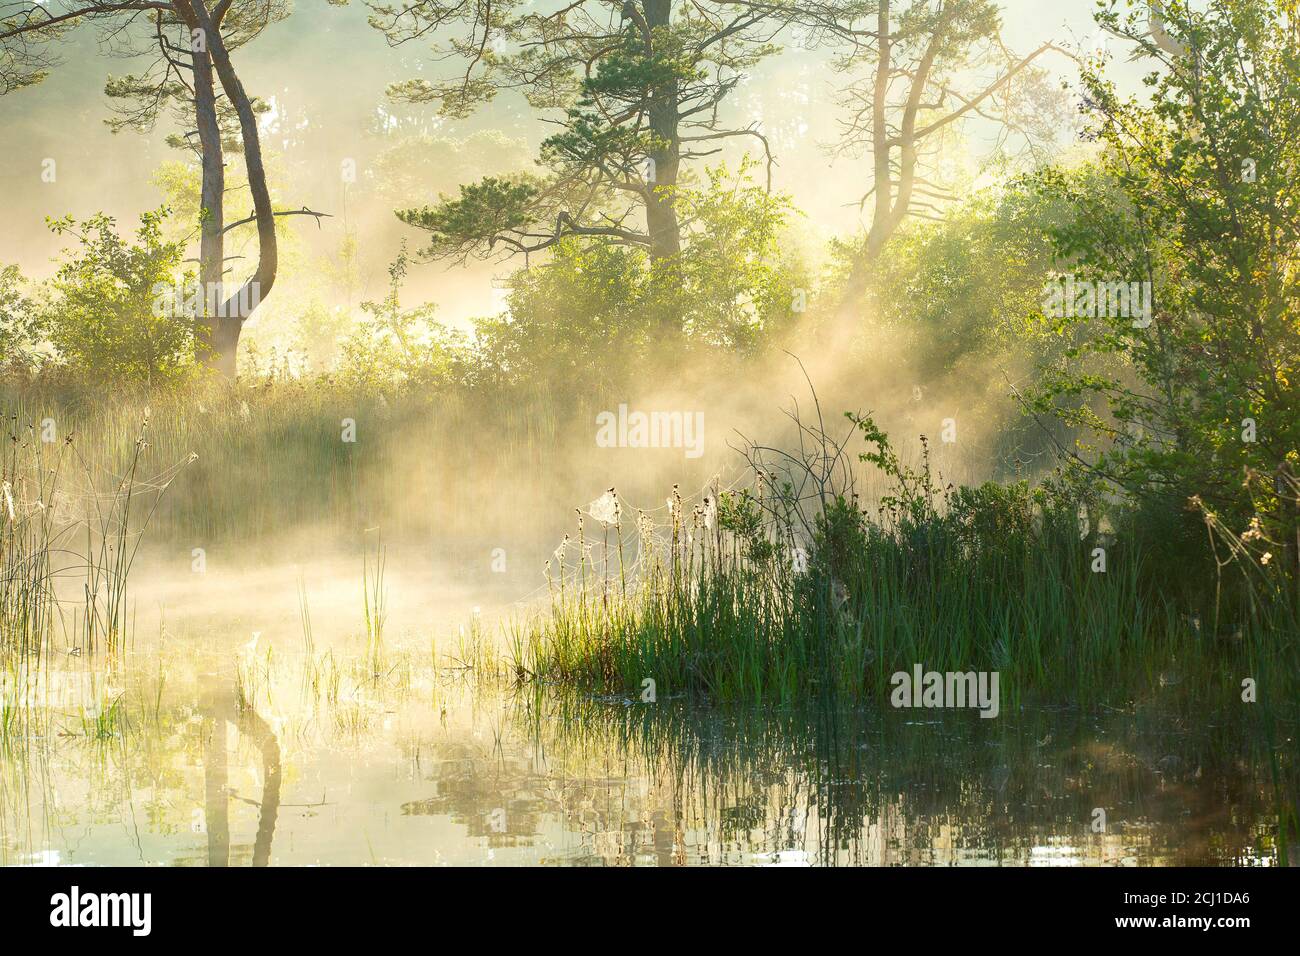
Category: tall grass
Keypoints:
(29, 483)
(794, 588)
(68, 538)
(271, 458)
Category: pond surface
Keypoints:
(364, 756)
(264, 723)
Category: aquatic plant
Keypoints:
(795, 588)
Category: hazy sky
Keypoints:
(325, 70)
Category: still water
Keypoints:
(266, 753)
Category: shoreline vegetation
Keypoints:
(794, 588)
(788, 585)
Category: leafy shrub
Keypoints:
(111, 312)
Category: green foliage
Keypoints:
(913, 494)
(580, 321)
(630, 87)
(736, 276)
(400, 347)
(20, 333)
(959, 292)
(626, 76)
(992, 578)
(139, 100)
(319, 332)
(1204, 176)
(484, 212)
(959, 303)
(595, 311)
(112, 312)
(741, 516)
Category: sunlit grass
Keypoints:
(271, 459)
(794, 590)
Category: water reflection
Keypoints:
(434, 767)
(863, 787)
(219, 705)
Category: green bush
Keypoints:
(113, 312)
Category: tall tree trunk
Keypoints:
(211, 195)
(238, 307)
(882, 178)
(894, 187)
(661, 213)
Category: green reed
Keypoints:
(794, 589)
(68, 538)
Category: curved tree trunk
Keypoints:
(211, 196)
(238, 307)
